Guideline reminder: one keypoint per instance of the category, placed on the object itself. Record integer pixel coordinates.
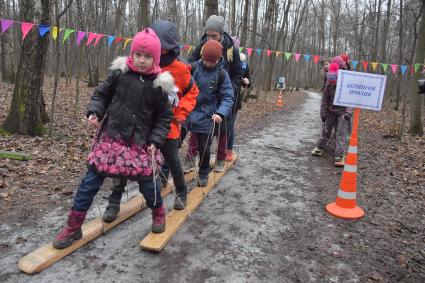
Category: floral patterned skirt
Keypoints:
(114, 157)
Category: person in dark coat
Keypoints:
(213, 105)
(214, 30)
(133, 115)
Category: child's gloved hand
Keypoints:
(92, 119)
(245, 81)
(347, 116)
(216, 118)
(151, 148)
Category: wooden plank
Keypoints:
(45, 256)
(15, 155)
(176, 218)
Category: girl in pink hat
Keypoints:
(131, 112)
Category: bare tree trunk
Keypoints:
(400, 52)
(143, 14)
(375, 45)
(417, 100)
(3, 45)
(245, 23)
(27, 111)
(385, 33)
(210, 8)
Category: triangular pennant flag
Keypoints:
(249, 49)
(98, 37)
(384, 67)
(43, 29)
(417, 66)
(91, 37)
(80, 36)
(268, 52)
(190, 48)
(316, 59)
(186, 47)
(127, 40)
(68, 32)
(259, 51)
(354, 64)
(307, 57)
(26, 27)
(394, 68)
(374, 64)
(403, 69)
(180, 46)
(240, 49)
(288, 55)
(412, 70)
(118, 39)
(55, 31)
(297, 57)
(5, 25)
(278, 53)
(365, 64)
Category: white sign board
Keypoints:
(360, 90)
(281, 83)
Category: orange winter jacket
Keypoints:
(182, 77)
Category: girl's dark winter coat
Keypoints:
(327, 107)
(139, 110)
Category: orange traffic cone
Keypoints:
(279, 102)
(345, 204)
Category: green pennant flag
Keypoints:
(288, 55)
(384, 66)
(417, 66)
(240, 49)
(68, 32)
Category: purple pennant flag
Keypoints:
(5, 25)
(80, 36)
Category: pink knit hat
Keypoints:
(332, 74)
(340, 61)
(146, 41)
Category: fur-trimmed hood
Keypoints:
(164, 80)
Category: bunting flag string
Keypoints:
(95, 38)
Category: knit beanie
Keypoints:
(332, 74)
(212, 51)
(146, 41)
(338, 60)
(243, 57)
(215, 23)
(345, 57)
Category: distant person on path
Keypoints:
(214, 30)
(333, 115)
(133, 115)
(182, 105)
(213, 105)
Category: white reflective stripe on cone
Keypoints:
(346, 195)
(352, 149)
(350, 168)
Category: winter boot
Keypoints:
(112, 210)
(181, 200)
(317, 151)
(229, 155)
(219, 166)
(158, 219)
(72, 231)
(202, 180)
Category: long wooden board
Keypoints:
(45, 256)
(15, 155)
(176, 218)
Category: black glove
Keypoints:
(347, 116)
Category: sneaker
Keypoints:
(317, 151)
(219, 166)
(339, 161)
(229, 155)
(180, 201)
(189, 165)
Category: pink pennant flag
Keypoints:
(98, 37)
(80, 36)
(394, 68)
(316, 59)
(365, 63)
(90, 39)
(249, 49)
(5, 25)
(297, 57)
(268, 52)
(26, 27)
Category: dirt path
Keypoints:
(264, 222)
